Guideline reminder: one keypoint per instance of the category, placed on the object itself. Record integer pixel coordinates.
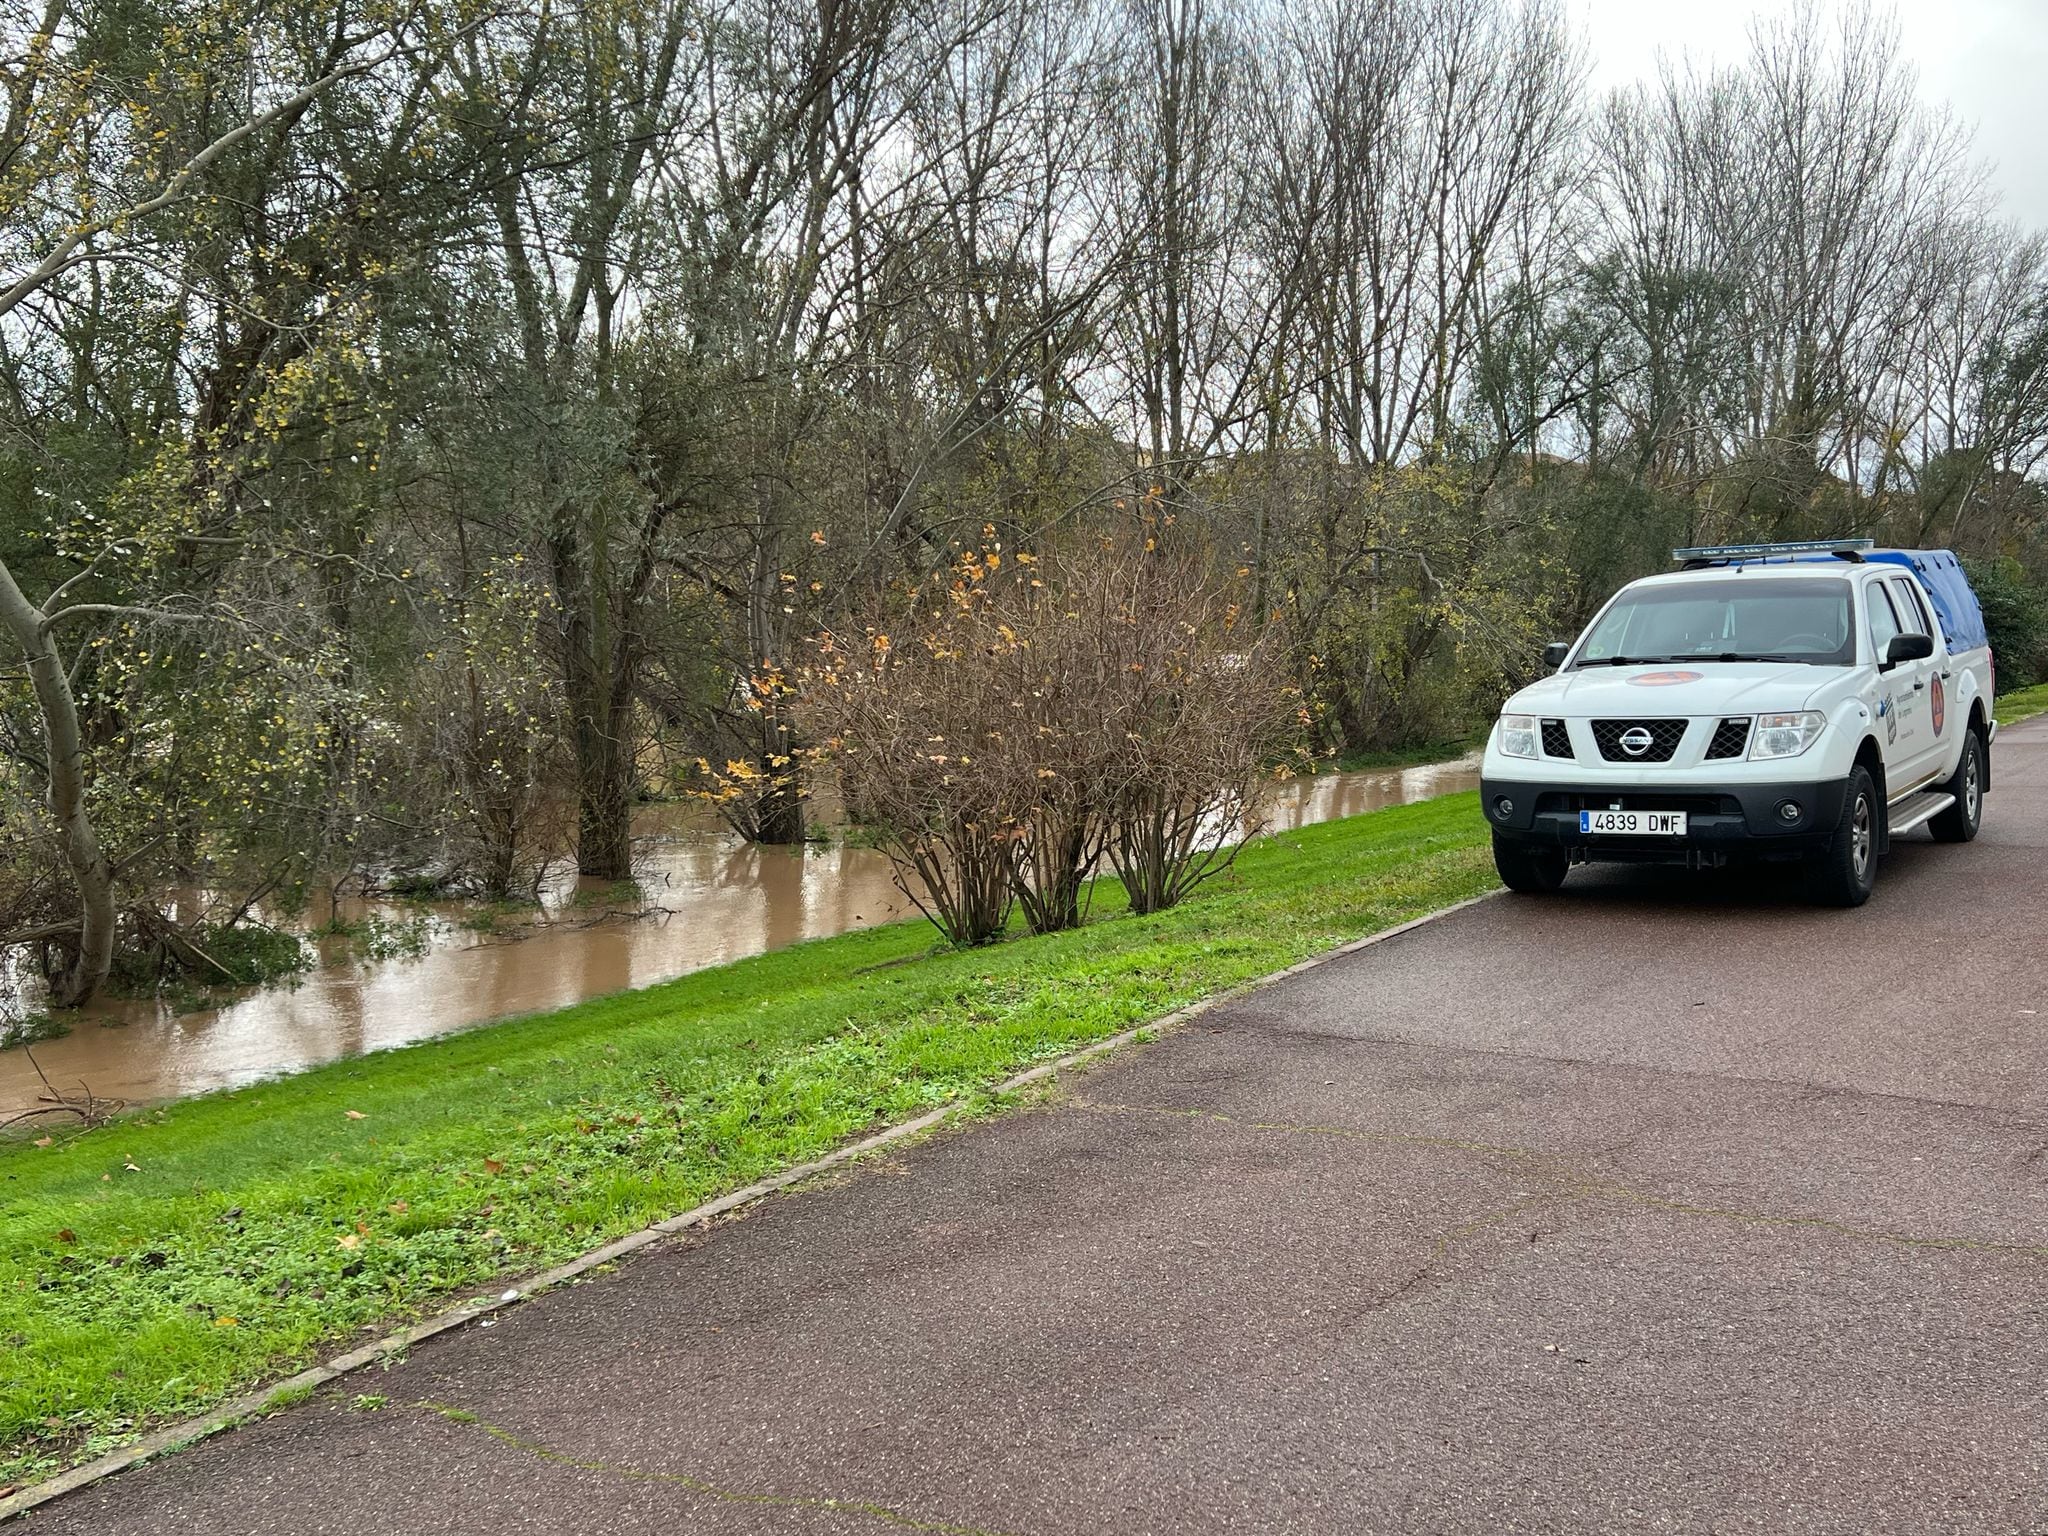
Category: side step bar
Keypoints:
(1917, 810)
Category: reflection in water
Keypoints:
(1332, 796)
(723, 901)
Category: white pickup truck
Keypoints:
(1803, 702)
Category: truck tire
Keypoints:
(1959, 823)
(1846, 873)
(1532, 871)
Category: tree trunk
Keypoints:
(604, 780)
(598, 696)
(780, 820)
(604, 828)
(779, 816)
(90, 871)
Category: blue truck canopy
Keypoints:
(1955, 605)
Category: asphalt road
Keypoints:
(1668, 1205)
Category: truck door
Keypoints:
(1917, 692)
(1892, 721)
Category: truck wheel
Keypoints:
(1959, 823)
(1532, 871)
(1845, 875)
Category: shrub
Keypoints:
(1190, 706)
(911, 726)
(1027, 722)
(161, 955)
(30, 1029)
(2016, 614)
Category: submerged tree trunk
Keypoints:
(600, 705)
(91, 873)
(779, 816)
(604, 810)
(780, 819)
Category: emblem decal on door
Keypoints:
(1890, 717)
(1939, 708)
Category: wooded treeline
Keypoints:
(427, 426)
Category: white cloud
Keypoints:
(1986, 60)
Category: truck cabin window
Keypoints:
(1738, 619)
(1884, 621)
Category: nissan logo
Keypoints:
(1635, 741)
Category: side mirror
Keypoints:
(1555, 653)
(1908, 648)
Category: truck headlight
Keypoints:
(1786, 735)
(1518, 736)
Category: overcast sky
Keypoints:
(1987, 59)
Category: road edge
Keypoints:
(285, 1393)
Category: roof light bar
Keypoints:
(1710, 554)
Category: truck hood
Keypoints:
(1674, 688)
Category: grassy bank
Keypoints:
(155, 1266)
(2011, 708)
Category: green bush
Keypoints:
(2016, 614)
(187, 963)
(30, 1029)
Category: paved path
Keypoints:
(1671, 1205)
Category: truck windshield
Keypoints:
(1735, 619)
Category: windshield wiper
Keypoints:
(1644, 661)
(1746, 656)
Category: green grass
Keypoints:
(151, 1268)
(2011, 708)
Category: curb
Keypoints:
(176, 1436)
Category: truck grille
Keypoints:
(1664, 736)
(1730, 737)
(1557, 741)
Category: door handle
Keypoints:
(1918, 686)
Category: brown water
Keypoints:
(717, 900)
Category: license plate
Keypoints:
(1634, 823)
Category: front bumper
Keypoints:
(1722, 821)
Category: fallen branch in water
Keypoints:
(529, 927)
(174, 938)
(639, 915)
(89, 1108)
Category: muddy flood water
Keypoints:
(718, 900)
